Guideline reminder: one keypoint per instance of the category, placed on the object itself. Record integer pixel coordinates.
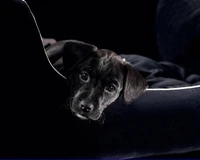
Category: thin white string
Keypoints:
(172, 89)
(42, 41)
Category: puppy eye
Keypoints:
(111, 88)
(84, 76)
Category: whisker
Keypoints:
(67, 104)
(63, 106)
(69, 99)
(101, 120)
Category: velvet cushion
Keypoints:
(34, 125)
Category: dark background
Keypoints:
(126, 27)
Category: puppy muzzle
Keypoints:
(85, 110)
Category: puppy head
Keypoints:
(97, 77)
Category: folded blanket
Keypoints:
(162, 74)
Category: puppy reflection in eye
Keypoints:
(97, 77)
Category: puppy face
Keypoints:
(97, 77)
(96, 83)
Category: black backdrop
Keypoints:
(126, 27)
(141, 35)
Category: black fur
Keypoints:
(97, 77)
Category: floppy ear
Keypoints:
(64, 55)
(75, 52)
(134, 85)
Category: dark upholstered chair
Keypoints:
(33, 123)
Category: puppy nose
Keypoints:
(86, 107)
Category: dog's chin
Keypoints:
(81, 116)
(87, 118)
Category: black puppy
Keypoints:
(97, 77)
